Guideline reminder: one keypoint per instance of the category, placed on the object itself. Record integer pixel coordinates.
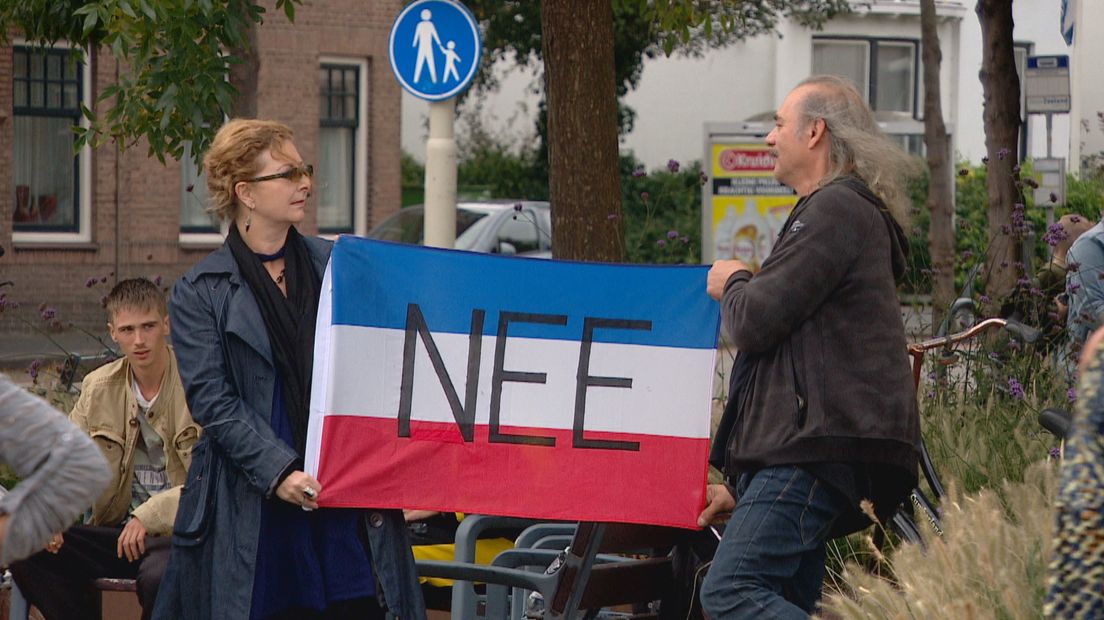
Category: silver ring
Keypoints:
(309, 492)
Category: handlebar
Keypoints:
(917, 349)
(1028, 334)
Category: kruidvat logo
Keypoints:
(734, 160)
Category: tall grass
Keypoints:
(990, 562)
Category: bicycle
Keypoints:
(902, 523)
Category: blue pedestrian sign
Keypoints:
(435, 47)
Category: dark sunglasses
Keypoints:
(292, 174)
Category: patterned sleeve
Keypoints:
(1076, 573)
(62, 471)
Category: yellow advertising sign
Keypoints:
(748, 206)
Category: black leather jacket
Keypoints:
(830, 380)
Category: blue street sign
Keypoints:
(435, 47)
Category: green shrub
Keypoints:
(1083, 196)
(662, 212)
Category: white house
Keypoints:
(878, 46)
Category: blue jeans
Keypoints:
(770, 562)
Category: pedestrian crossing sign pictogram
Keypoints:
(435, 47)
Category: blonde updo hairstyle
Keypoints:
(232, 158)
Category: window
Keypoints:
(883, 70)
(51, 183)
(195, 223)
(340, 176)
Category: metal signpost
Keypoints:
(435, 47)
(1047, 91)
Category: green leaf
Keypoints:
(289, 10)
(90, 22)
(148, 10)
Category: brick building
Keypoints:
(101, 214)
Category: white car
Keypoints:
(508, 227)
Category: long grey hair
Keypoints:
(858, 145)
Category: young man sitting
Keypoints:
(134, 410)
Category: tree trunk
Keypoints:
(583, 174)
(243, 76)
(940, 201)
(1001, 88)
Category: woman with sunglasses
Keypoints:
(250, 540)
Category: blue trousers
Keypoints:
(770, 561)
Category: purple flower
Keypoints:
(672, 166)
(964, 172)
(612, 216)
(32, 370)
(90, 282)
(644, 196)
(1005, 229)
(103, 280)
(672, 234)
(1015, 388)
(48, 313)
(639, 172)
(1071, 395)
(1055, 234)
(1054, 198)
(685, 239)
(702, 178)
(1001, 154)
(984, 299)
(1073, 266)
(1030, 182)
(967, 254)
(103, 301)
(189, 188)
(517, 207)
(1054, 452)
(985, 160)
(1016, 169)
(1074, 287)
(1073, 218)
(661, 243)
(157, 280)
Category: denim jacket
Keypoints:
(227, 367)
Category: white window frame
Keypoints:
(360, 170)
(84, 189)
(198, 239)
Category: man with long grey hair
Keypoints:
(824, 426)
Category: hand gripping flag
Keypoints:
(474, 383)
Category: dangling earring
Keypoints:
(249, 220)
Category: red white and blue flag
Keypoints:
(474, 383)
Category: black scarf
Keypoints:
(289, 321)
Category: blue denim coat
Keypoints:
(227, 368)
